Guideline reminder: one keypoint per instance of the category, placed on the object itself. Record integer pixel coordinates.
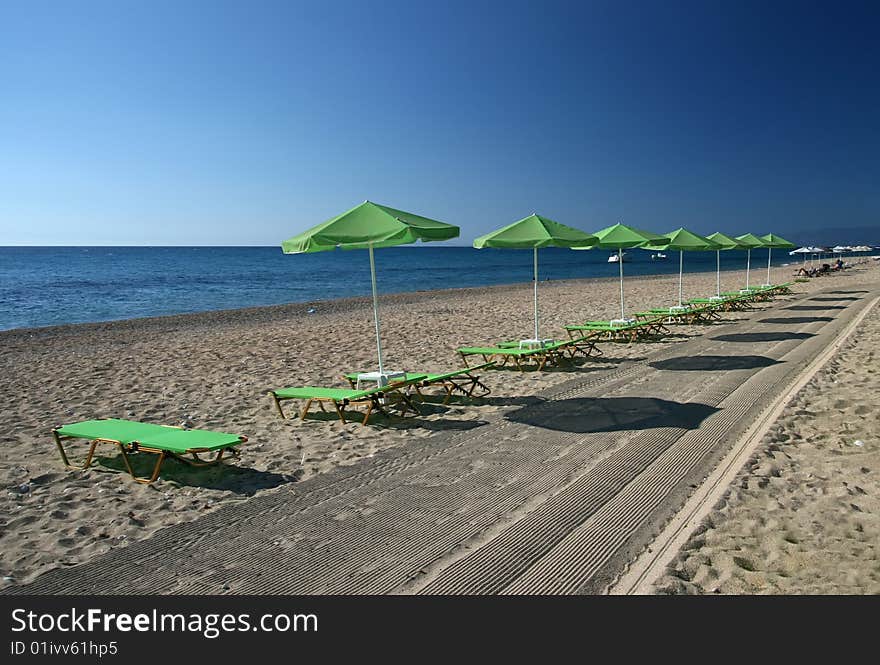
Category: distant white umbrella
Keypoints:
(802, 250)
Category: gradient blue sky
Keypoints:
(247, 122)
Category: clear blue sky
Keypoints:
(246, 122)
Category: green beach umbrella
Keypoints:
(749, 242)
(368, 226)
(685, 241)
(621, 237)
(772, 242)
(724, 243)
(532, 233)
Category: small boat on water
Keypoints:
(615, 258)
(659, 256)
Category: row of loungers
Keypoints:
(380, 398)
(186, 445)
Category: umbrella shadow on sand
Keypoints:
(814, 308)
(612, 414)
(847, 292)
(395, 421)
(713, 363)
(830, 300)
(798, 320)
(778, 336)
(230, 477)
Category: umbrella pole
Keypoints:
(376, 310)
(769, 254)
(718, 276)
(680, 273)
(748, 266)
(536, 293)
(620, 264)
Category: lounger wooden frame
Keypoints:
(501, 356)
(703, 314)
(374, 401)
(138, 447)
(644, 330)
(463, 381)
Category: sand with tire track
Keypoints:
(803, 516)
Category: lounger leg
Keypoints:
(408, 402)
(126, 460)
(60, 448)
(339, 412)
(199, 462)
(278, 405)
(88, 461)
(302, 416)
(156, 470)
(369, 411)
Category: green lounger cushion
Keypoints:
(171, 439)
(340, 394)
(432, 378)
(494, 350)
(312, 392)
(605, 325)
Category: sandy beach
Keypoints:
(213, 370)
(803, 516)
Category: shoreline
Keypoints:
(271, 313)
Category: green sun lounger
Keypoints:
(725, 303)
(750, 294)
(542, 355)
(462, 380)
(584, 345)
(641, 330)
(378, 398)
(136, 437)
(689, 314)
(763, 291)
(781, 289)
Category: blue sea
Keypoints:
(41, 286)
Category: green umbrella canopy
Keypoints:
(725, 242)
(776, 242)
(750, 241)
(772, 242)
(535, 231)
(369, 224)
(621, 236)
(684, 241)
